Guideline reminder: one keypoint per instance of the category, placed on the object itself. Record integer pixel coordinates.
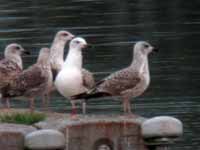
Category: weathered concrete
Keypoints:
(12, 136)
(45, 139)
(162, 126)
(101, 132)
(98, 132)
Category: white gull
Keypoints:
(72, 79)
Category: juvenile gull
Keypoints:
(72, 79)
(57, 50)
(128, 82)
(56, 59)
(11, 65)
(32, 82)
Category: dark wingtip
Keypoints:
(79, 96)
(54, 73)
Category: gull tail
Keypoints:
(54, 73)
(90, 95)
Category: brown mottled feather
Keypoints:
(28, 83)
(119, 81)
(114, 85)
(8, 70)
(88, 79)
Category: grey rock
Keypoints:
(162, 126)
(16, 128)
(12, 136)
(45, 139)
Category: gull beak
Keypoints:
(71, 36)
(25, 52)
(84, 46)
(155, 49)
(90, 45)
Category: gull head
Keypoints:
(144, 48)
(15, 49)
(44, 55)
(64, 36)
(78, 43)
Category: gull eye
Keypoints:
(146, 45)
(77, 42)
(17, 48)
(65, 34)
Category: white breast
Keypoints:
(146, 74)
(69, 82)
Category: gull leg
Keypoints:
(74, 111)
(83, 107)
(128, 107)
(124, 106)
(32, 105)
(45, 101)
(7, 103)
(1, 105)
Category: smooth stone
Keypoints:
(162, 126)
(16, 128)
(12, 135)
(45, 139)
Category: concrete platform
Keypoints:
(99, 132)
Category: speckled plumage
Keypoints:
(32, 82)
(88, 79)
(8, 70)
(120, 81)
(10, 66)
(126, 83)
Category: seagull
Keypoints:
(73, 79)
(11, 65)
(129, 82)
(32, 82)
(57, 50)
(56, 59)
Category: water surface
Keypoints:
(112, 26)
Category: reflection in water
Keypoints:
(112, 27)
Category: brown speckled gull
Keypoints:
(11, 65)
(32, 82)
(128, 82)
(57, 50)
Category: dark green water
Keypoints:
(113, 26)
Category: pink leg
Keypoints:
(32, 105)
(124, 106)
(127, 106)
(8, 103)
(84, 107)
(45, 101)
(74, 111)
